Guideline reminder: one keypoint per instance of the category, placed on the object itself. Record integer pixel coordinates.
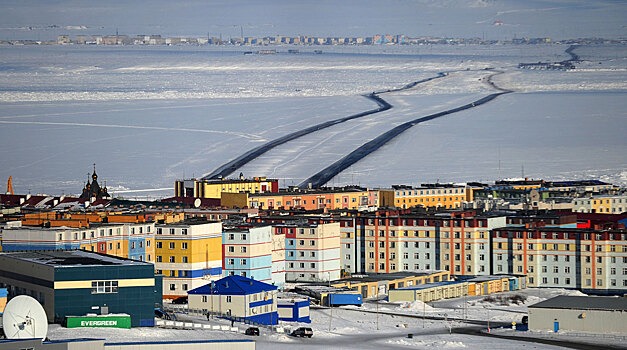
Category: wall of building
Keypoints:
(593, 321)
(134, 296)
(187, 254)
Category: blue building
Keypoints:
(294, 310)
(239, 298)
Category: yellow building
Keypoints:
(374, 285)
(188, 254)
(603, 204)
(431, 195)
(214, 188)
(328, 198)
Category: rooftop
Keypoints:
(583, 303)
(67, 258)
(233, 285)
(430, 285)
(385, 276)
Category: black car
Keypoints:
(252, 331)
(302, 332)
(180, 301)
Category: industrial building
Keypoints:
(580, 314)
(75, 283)
(429, 292)
(213, 188)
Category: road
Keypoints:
(231, 166)
(326, 174)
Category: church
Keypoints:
(93, 189)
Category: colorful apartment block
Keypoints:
(431, 195)
(134, 241)
(200, 188)
(312, 252)
(593, 260)
(188, 254)
(247, 252)
(603, 204)
(330, 199)
(391, 241)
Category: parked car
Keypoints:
(252, 331)
(180, 301)
(302, 332)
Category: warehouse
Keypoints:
(76, 282)
(580, 314)
(429, 292)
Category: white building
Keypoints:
(580, 314)
(239, 298)
(312, 253)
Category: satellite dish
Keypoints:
(197, 202)
(24, 318)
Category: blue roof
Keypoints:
(233, 285)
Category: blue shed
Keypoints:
(294, 310)
(339, 299)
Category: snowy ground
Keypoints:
(150, 115)
(356, 328)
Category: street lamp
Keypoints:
(488, 309)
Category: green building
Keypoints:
(77, 283)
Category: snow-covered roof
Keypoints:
(233, 285)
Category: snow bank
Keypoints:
(440, 344)
(416, 306)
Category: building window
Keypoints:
(231, 261)
(171, 231)
(183, 245)
(159, 259)
(172, 286)
(171, 245)
(184, 232)
(172, 259)
(243, 261)
(184, 259)
(103, 287)
(243, 249)
(184, 286)
(204, 298)
(231, 249)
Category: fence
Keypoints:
(183, 309)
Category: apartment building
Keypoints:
(395, 241)
(593, 260)
(312, 252)
(134, 241)
(603, 204)
(248, 252)
(431, 195)
(315, 199)
(188, 254)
